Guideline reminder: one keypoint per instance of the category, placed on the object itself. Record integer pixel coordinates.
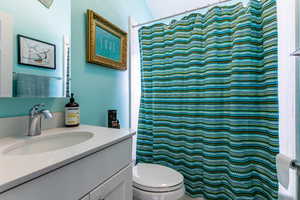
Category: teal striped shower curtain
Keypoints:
(209, 106)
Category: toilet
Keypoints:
(157, 182)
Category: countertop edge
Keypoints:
(34, 175)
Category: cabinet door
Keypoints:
(118, 187)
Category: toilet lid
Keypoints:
(151, 177)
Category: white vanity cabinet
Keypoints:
(116, 188)
(102, 175)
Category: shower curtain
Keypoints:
(209, 105)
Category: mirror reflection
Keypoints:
(35, 48)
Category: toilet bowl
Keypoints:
(157, 182)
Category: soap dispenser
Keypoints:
(72, 113)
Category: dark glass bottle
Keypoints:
(72, 113)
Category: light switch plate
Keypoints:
(47, 3)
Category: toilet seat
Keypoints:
(157, 189)
(156, 178)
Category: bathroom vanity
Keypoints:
(84, 163)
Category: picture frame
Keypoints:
(36, 53)
(106, 43)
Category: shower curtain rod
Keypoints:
(181, 13)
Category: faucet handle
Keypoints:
(36, 108)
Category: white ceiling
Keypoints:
(163, 8)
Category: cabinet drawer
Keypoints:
(73, 181)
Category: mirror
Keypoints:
(35, 48)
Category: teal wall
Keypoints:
(34, 20)
(97, 88)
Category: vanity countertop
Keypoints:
(18, 169)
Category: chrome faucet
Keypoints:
(35, 119)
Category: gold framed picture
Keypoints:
(106, 43)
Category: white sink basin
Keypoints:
(48, 143)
